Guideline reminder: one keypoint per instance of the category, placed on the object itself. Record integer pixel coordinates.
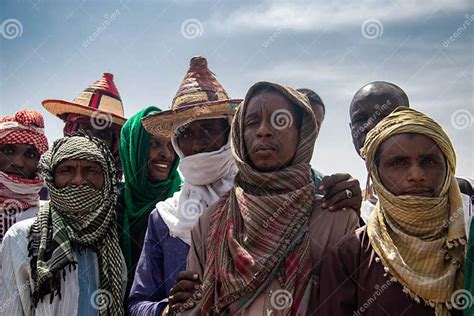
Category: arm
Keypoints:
(148, 288)
(15, 290)
(338, 282)
(196, 263)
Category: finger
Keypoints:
(180, 297)
(187, 275)
(339, 187)
(329, 181)
(347, 204)
(184, 286)
(335, 199)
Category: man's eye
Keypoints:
(31, 155)
(398, 162)
(7, 151)
(429, 161)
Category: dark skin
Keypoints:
(105, 134)
(370, 105)
(160, 158)
(20, 160)
(78, 172)
(411, 164)
(195, 137)
(202, 136)
(269, 149)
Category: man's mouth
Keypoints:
(163, 166)
(419, 191)
(264, 148)
(15, 173)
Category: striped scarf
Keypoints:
(260, 231)
(77, 217)
(420, 240)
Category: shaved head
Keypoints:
(370, 105)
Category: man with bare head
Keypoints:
(370, 105)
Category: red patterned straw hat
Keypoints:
(199, 96)
(101, 100)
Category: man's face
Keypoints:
(365, 113)
(203, 136)
(160, 158)
(20, 160)
(270, 133)
(106, 134)
(78, 172)
(411, 164)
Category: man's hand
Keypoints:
(342, 191)
(185, 293)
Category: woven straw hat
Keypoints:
(199, 96)
(100, 98)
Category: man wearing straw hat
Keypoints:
(199, 125)
(97, 110)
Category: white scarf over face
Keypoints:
(207, 176)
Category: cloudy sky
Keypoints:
(54, 49)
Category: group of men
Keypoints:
(245, 220)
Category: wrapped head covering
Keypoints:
(420, 240)
(246, 253)
(25, 127)
(16, 193)
(141, 195)
(78, 216)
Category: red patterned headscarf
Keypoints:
(24, 127)
(18, 194)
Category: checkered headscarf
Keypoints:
(25, 127)
(77, 217)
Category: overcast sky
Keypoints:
(55, 49)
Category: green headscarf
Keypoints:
(140, 194)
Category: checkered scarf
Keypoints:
(260, 232)
(77, 217)
(73, 121)
(420, 240)
(17, 194)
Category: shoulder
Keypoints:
(204, 221)
(18, 233)
(170, 203)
